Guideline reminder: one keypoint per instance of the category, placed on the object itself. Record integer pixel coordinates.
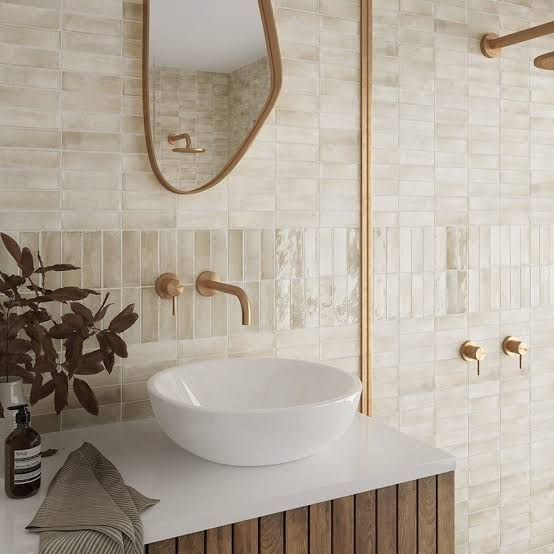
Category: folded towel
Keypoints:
(89, 509)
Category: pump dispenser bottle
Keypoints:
(23, 463)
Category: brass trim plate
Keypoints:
(210, 276)
(487, 49)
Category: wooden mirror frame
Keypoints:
(276, 72)
(366, 223)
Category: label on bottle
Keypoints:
(26, 465)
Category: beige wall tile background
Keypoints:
(464, 245)
(464, 238)
(75, 181)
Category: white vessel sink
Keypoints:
(252, 412)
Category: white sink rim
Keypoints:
(354, 388)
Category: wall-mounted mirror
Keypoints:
(211, 76)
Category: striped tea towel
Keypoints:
(88, 509)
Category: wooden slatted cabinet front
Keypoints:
(410, 518)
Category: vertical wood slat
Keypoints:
(407, 518)
(296, 531)
(272, 539)
(163, 547)
(320, 528)
(427, 515)
(245, 537)
(220, 540)
(343, 525)
(386, 521)
(445, 513)
(191, 544)
(365, 523)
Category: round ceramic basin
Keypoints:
(252, 412)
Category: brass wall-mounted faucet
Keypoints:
(209, 284)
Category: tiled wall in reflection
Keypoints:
(464, 250)
(75, 181)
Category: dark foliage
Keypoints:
(30, 345)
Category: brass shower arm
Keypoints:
(174, 139)
(188, 149)
(492, 44)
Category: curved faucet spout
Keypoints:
(209, 284)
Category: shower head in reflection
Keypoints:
(188, 148)
(492, 44)
(546, 61)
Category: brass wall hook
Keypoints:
(471, 352)
(169, 287)
(512, 346)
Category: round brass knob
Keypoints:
(472, 352)
(512, 346)
(169, 287)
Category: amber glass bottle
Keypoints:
(22, 478)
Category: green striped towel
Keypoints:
(89, 509)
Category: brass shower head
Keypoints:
(492, 44)
(546, 61)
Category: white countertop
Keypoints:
(197, 495)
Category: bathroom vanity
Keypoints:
(374, 490)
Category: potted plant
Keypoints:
(29, 334)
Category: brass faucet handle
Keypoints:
(169, 287)
(512, 346)
(472, 352)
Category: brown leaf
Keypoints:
(66, 294)
(16, 323)
(124, 320)
(26, 263)
(99, 315)
(109, 362)
(73, 352)
(91, 364)
(83, 311)
(13, 281)
(75, 321)
(47, 388)
(85, 396)
(46, 344)
(61, 391)
(57, 267)
(36, 389)
(44, 365)
(19, 358)
(11, 246)
(117, 344)
(19, 346)
(60, 331)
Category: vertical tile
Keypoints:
(131, 250)
(111, 256)
(92, 260)
(149, 271)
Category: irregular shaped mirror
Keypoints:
(211, 75)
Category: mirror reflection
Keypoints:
(211, 79)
